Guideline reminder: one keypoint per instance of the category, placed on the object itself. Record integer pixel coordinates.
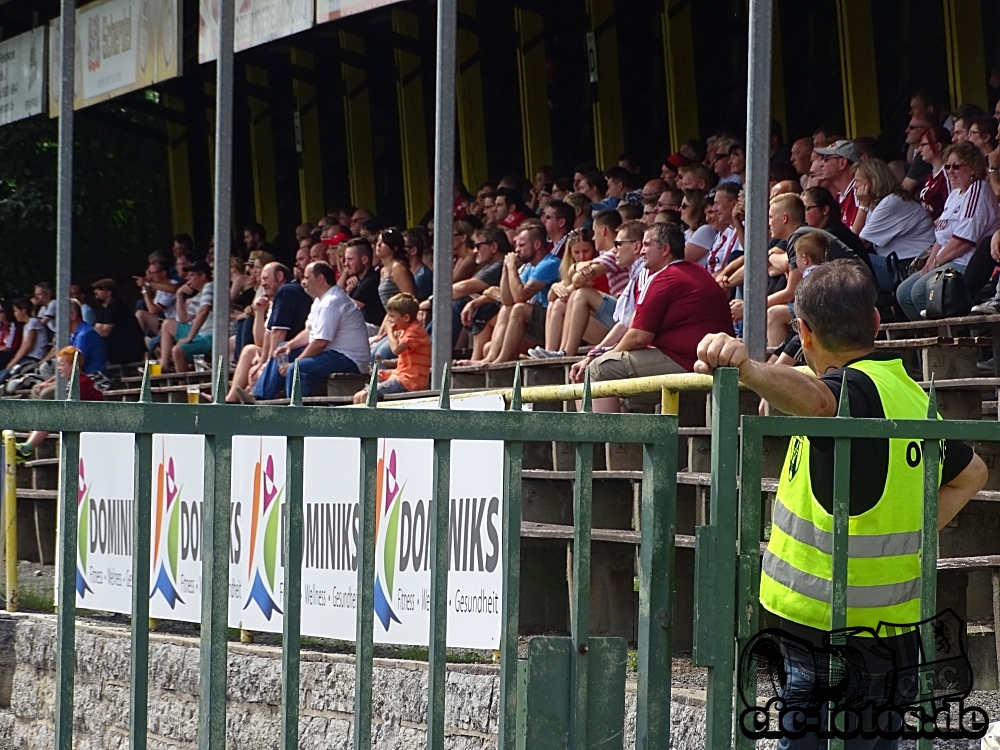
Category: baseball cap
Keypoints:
(200, 267)
(336, 239)
(845, 149)
(676, 161)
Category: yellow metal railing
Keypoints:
(10, 517)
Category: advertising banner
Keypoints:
(331, 10)
(22, 76)
(257, 22)
(331, 532)
(121, 46)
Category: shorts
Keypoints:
(605, 314)
(200, 344)
(791, 309)
(536, 328)
(635, 364)
(391, 385)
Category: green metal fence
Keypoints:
(569, 692)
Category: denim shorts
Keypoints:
(605, 314)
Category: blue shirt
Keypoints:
(92, 349)
(423, 280)
(290, 309)
(546, 271)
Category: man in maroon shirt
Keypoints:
(679, 305)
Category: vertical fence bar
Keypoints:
(69, 475)
(10, 517)
(841, 529)
(141, 512)
(656, 587)
(291, 639)
(363, 645)
(215, 580)
(64, 189)
(719, 626)
(929, 547)
(748, 572)
(583, 497)
(510, 618)
(438, 642)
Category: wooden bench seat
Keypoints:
(966, 321)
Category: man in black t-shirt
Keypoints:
(117, 324)
(360, 281)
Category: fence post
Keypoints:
(10, 517)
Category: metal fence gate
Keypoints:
(569, 692)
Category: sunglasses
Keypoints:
(953, 167)
(619, 243)
(797, 326)
(482, 244)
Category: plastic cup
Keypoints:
(155, 368)
(194, 394)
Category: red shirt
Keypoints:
(848, 205)
(934, 193)
(680, 305)
(88, 391)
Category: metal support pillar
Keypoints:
(444, 185)
(223, 188)
(64, 192)
(758, 158)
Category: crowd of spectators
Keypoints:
(636, 271)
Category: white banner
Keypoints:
(22, 76)
(121, 46)
(331, 488)
(257, 22)
(331, 10)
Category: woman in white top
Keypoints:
(889, 221)
(969, 214)
(34, 337)
(699, 236)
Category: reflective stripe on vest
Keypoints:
(884, 577)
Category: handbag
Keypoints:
(947, 296)
(888, 272)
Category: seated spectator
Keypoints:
(395, 277)
(192, 328)
(670, 200)
(727, 244)
(630, 211)
(696, 176)
(117, 325)
(699, 236)
(509, 210)
(889, 221)
(969, 215)
(649, 210)
(838, 179)
(593, 313)
(79, 293)
(414, 242)
(867, 147)
(810, 251)
(317, 251)
(579, 254)
(671, 165)
(45, 305)
(88, 392)
(785, 186)
(582, 210)
(823, 212)
(524, 294)
(934, 190)
(335, 339)
(723, 168)
(738, 162)
(595, 187)
(680, 305)
(983, 133)
(916, 168)
(463, 259)
(301, 261)
(653, 188)
(558, 219)
(89, 341)
(411, 368)
(279, 314)
(620, 182)
(158, 302)
(802, 151)
(35, 337)
(255, 238)
(10, 333)
(360, 281)
(475, 301)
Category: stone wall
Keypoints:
(27, 666)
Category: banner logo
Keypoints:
(82, 532)
(265, 547)
(386, 536)
(166, 540)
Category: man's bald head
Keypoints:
(786, 186)
(653, 188)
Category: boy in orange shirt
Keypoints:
(411, 345)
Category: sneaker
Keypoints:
(245, 396)
(550, 353)
(989, 307)
(535, 352)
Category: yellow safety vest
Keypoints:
(883, 568)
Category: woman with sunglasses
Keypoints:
(699, 235)
(970, 214)
(934, 192)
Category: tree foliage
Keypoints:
(121, 207)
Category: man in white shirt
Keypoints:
(335, 338)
